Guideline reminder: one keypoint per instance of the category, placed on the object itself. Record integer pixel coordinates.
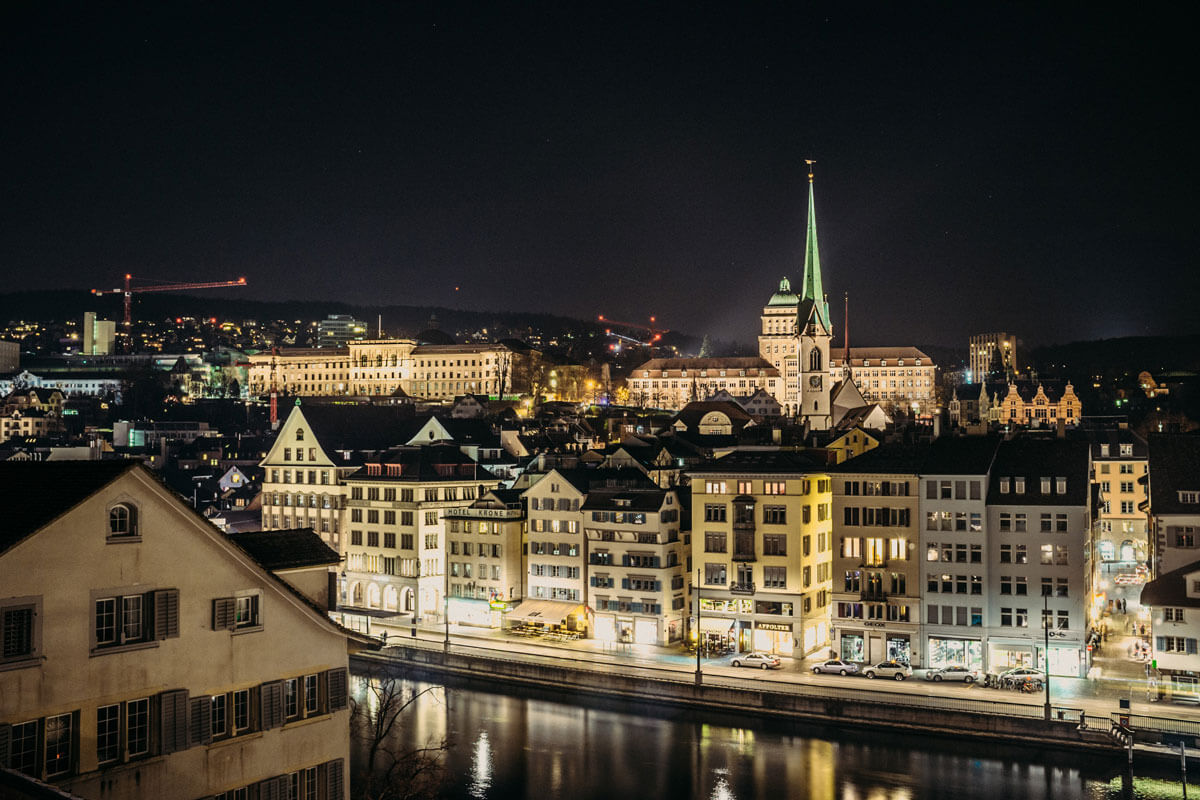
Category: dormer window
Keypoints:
(1126, 450)
(1019, 488)
(1060, 486)
(1189, 497)
(123, 521)
(1045, 485)
(1104, 451)
(1004, 485)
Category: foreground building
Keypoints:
(877, 562)
(762, 544)
(157, 658)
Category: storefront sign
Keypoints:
(773, 626)
(875, 624)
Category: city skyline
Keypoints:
(985, 169)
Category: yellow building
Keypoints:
(852, 443)
(762, 551)
(146, 654)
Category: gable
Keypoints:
(296, 432)
(432, 431)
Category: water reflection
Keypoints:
(524, 747)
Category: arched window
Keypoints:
(122, 520)
(299, 434)
(357, 594)
(814, 360)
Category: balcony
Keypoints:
(873, 596)
(744, 555)
(742, 588)
(743, 547)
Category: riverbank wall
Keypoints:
(1017, 724)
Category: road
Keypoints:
(1096, 698)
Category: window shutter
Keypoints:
(201, 721)
(270, 789)
(336, 680)
(271, 698)
(173, 718)
(1191, 647)
(1160, 643)
(166, 614)
(223, 608)
(333, 780)
(5, 735)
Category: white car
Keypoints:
(889, 669)
(756, 659)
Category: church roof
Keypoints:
(811, 288)
(785, 296)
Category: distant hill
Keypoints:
(1114, 358)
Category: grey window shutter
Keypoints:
(5, 736)
(271, 698)
(223, 608)
(201, 721)
(1160, 643)
(336, 681)
(173, 712)
(1191, 647)
(333, 780)
(166, 613)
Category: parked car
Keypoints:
(756, 659)
(952, 673)
(889, 669)
(836, 667)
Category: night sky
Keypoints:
(1018, 168)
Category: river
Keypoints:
(517, 745)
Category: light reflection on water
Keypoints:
(517, 747)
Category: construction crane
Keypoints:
(163, 286)
(655, 333)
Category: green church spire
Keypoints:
(811, 285)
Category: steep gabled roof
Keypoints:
(359, 427)
(892, 458)
(764, 461)
(971, 455)
(34, 494)
(1034, 459)
(1171, 589)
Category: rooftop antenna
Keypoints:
(846, 334)
(380, 326)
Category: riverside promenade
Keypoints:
(1079, 723)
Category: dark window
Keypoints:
(122, 520)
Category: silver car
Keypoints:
(757, 659)
(953, 673)
(889, 669)
(836, 666)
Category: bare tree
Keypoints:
(392, 769)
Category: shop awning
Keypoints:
(715, 625)
(550, 612)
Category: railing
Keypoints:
(746, 587)
(877, 596)
(744, 555)
(1137, 722)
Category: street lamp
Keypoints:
(1046, 646)
(446, 599)
(699, 675)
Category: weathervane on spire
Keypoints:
(810, 162)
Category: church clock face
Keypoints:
(814, 382)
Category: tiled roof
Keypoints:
(359, 427)
(970, 455)
(1171, 589)
(1174, 467)
(33, 494)
(731, 363)
(286, 549)
(764, 461)
(878, 354)
(623, 500)
(1034, 459)
(424, 463)
(893, 458)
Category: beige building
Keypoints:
(762, 546)
(1120, 461)
(897, 378)
(395, 542)
(1040, 405)
(675, 382)
(992, 356)
(315, 371)
(157, 658)
(876, 560)
(636, 564)
(487, 564)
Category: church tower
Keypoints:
(815, 330)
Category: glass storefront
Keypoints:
(955, 652)
(1064, 661)
(645, 631)
(771, 637)
(1010, 656)
(899, 649)
(852, 647)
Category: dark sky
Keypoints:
(978, 168)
